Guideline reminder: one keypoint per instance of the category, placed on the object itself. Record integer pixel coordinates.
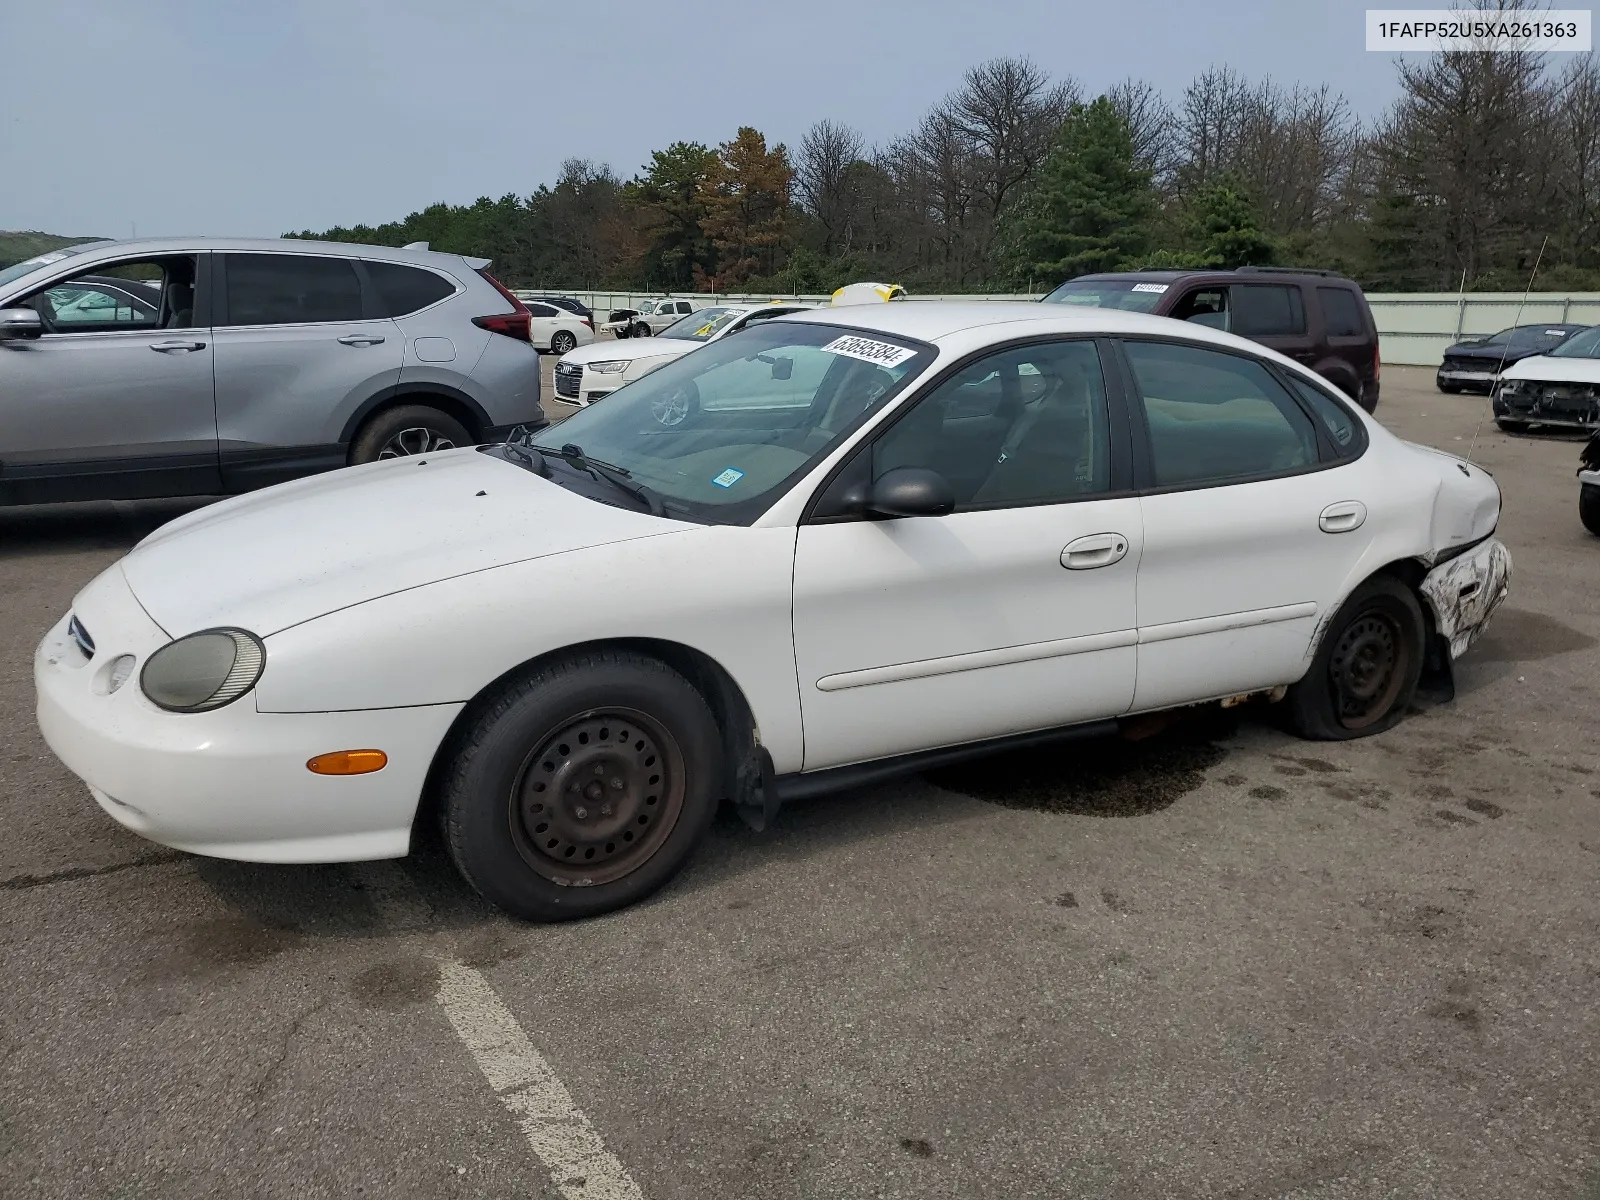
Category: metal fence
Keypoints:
(1413, 328)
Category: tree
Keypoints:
(1225, 227)
(1089, 208)
(670, 195)
(822, 178)
(745, 195)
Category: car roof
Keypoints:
(937, 320)
(99, 251)
(1231, 273)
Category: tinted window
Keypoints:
(1537, 337)
(1341, 425)
(1341, 312)
(405, 289)
(1216, 417)
(1025, 426)
(541, 310)
(291, 289)
(1263, 310)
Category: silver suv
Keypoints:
(198, 366)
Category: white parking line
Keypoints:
(580, 1166)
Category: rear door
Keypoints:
(302, 343)
(114, 400)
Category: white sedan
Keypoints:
(588, 375)
(553, 328)
(966, 526)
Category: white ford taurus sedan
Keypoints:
(882, 536)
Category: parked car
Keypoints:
(1589, 484)
(239, 363)
(1560, 388)
(556, 329)
(986, 525)
(1472, 365)
(648, 318)
(577, 307)
(593, 372)
(1315, 317)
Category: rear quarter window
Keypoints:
(404, 289)
(1341, 312)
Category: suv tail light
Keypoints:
(516, 324)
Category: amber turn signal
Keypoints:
(348, 762)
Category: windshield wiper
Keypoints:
(618, 477)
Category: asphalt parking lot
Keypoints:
(1218, 962)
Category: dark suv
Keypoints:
(1315, 317)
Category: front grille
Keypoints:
(567, 380)
(79, 634)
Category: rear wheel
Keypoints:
(584, 787)
(405, 431)
(563, 341)
(1366, 670)
(1589, 508)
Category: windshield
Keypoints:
(1139, 295)
(27, 267)
(702, 326)
(719, 433)
(1580, 345)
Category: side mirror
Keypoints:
(19, 323)
(782, 368)
(910, 492)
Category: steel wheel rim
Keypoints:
(673, 410)
(597, 798)
(1368, 668)
(418, 439)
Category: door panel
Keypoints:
(929, 631)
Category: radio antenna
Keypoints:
(1472, 449)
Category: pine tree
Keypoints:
(1225, 227)
(1091, 206)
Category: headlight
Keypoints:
(204, 670)
(1510, 385)
(612, 366)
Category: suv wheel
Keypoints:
(405, 431)
(1589, 508)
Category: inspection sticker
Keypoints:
(1149, 287)
(884, 354)
(729, 477)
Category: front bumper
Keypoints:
(1464, 593)
(1572, 406)
(1466, 377)
(233, 782)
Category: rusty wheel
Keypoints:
(597, 798)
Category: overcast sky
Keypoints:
(208, 117)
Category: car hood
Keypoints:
(629, 349)
(275, 558)
(1488, 354)
(1560, 370)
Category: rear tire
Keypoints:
(584, 786)
(1589, 508)
(563, 342)
(408, 430)
(1366, 670)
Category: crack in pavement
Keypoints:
(16, 883)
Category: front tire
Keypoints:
(641, 330)
(408, 430)
(1450, 389)
(584, 787)
(1366, 670)
(1589, 508)
(1510, 426)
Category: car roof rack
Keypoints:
(1288, 271)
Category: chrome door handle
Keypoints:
(166, 346)
(361, 339)
(1342, 517)
(1095, 550)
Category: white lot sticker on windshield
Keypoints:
(1149, 287)
(1556, 332)
(885, 354)
(728, 478)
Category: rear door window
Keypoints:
(405, 289)
(291, 289)
(1341, 312)
(1267, 310)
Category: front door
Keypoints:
(301, 346)
(1252, 524)
(114, 400)
(1013, 613)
